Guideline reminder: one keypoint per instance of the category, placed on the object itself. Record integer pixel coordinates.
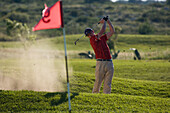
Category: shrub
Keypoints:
(168, 2)
(19, 31)
(146, 28)
(20, 17)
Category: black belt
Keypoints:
(104, 59)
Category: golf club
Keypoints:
(84, 34)
(78, 39)
(105, 18)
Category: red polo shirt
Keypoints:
(100, 47)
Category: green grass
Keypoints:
(137, 86)
(29, 101)
(124, 75)
(83, 82)
(154, 70)
(128, 95)
(149, 46)
(145, 43)
(139, 70)
(10, 44)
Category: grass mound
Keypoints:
(30, 101)
(83, 82)
(128, 95)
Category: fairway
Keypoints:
(155, 70)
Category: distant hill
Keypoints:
(80, 14)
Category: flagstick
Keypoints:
(68, 86)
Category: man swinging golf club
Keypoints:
(104, 66)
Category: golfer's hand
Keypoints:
(101, 21)
(106, 18)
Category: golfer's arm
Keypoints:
(112, 30)
(102, 30)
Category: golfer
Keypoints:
(104, 66)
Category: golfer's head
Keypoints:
(89, 32)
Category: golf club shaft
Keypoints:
(84, 34)
(79, 39)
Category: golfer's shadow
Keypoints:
(63, 97)
(93, 66)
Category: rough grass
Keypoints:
(29, 101)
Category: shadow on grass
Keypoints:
(63, 97)
(93, 67)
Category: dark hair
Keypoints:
(87, 31)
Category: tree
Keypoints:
(91, 1)
(112, 41)
(146, 28)
(168, 2)
(134, 1)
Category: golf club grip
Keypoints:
(103, 18)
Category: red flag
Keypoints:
(52, 17)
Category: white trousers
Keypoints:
(104, 72)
